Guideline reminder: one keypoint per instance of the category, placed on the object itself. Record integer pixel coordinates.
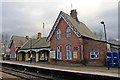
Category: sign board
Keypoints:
(75, 54)
(52, 55)
(41, 58)
(42, 55)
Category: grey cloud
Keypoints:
(111, 20)
(119, 20)
(19, 18)
(26, 18)
(110, 17)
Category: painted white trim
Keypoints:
(71, 26)
(54, 26)
(59, 52)
(23, 50)
(13, 55)
(41, 49)
(68, 32)
(36, 50)
(68, 49)
(61, 15)
(95, 57)
(58, 34)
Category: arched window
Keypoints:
(68, 52)
(68, 32)
(58, 34)
(59, 53)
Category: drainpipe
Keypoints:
(82, 58)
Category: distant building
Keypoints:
(72, 42)
(37, 49)
(15, 45)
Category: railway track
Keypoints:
(23, 75)
(31, 72)
(5, 76)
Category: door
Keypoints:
(23, 56)
(20, 56)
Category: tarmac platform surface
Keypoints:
(115, 72)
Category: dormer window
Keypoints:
(58, 34)
(68, 32)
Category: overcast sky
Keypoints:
(26, 17)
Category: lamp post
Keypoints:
(104, 30)
(102, 22)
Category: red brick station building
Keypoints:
(71, 42)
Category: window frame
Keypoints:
(68, 52)
(13, 55)
(94, 54)
(58, 34)
(68, 32)
(58, 53)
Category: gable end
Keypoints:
(61, 15)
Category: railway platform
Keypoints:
(102, 71)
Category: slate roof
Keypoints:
(78, 27)
(81, 27)
(36, 43)
(18, 41)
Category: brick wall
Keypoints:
(12, 50)
(90, 44)
(12, 47)
(73, 41)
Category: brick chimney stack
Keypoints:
(73, 14)
(39, 36)
(27, 37)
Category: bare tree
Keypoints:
(5, 42)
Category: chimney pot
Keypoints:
(39, 36)
(27, 37)
(73, 14)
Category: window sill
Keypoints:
(68, 59)
(58, 59)
(94, 58)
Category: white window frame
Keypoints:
(68, 53)
(58, 34)
(59, 53)
(96, 55)
(68, 32)
(13, 55)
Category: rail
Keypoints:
(58, 73)
(24, 75)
